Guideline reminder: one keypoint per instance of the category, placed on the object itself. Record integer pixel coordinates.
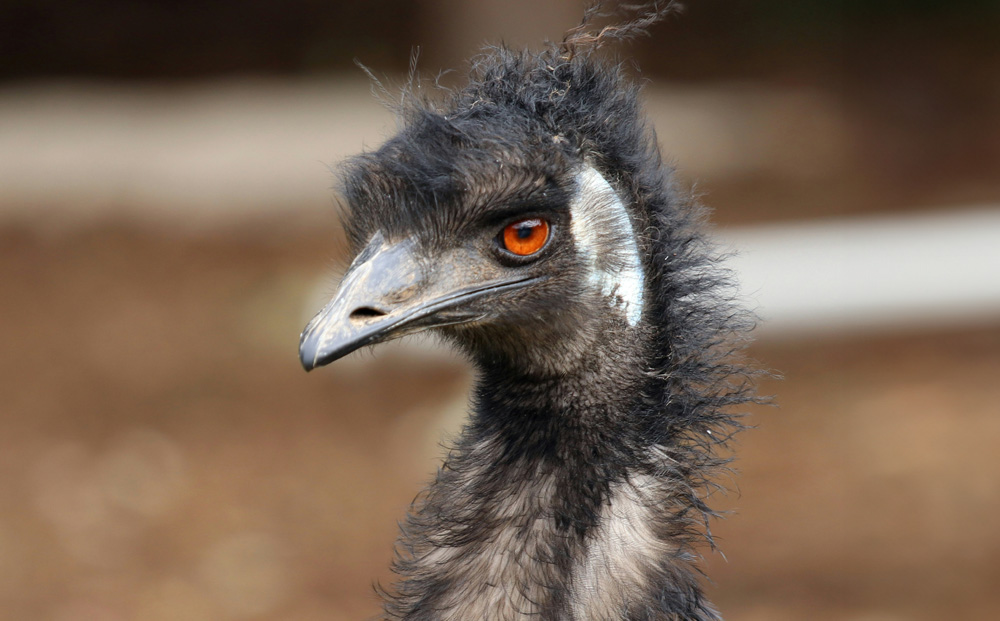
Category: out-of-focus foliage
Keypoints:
(189, 38)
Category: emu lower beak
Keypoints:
(387, 292)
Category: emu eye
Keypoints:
(526, 236)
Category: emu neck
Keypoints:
(551, 506)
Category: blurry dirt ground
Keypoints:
(164, 457)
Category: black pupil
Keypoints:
(525, 229)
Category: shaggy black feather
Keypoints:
(573, 406)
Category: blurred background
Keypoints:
(167, 228)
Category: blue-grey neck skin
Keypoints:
(604, 233)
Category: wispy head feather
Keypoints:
(586, 37)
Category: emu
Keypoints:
(528, 218)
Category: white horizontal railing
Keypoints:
(204, 154)
(877, 272)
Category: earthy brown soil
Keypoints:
(164, 457)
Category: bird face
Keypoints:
(395, 286)
(504, 256)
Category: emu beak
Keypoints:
(388, 292)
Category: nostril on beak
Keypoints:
(365, 312)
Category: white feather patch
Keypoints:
(622, 552)
(604, 235)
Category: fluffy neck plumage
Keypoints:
(551, 506)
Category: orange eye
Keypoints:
(526, 237)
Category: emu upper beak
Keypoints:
(389, 292)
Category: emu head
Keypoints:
(506, 219)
